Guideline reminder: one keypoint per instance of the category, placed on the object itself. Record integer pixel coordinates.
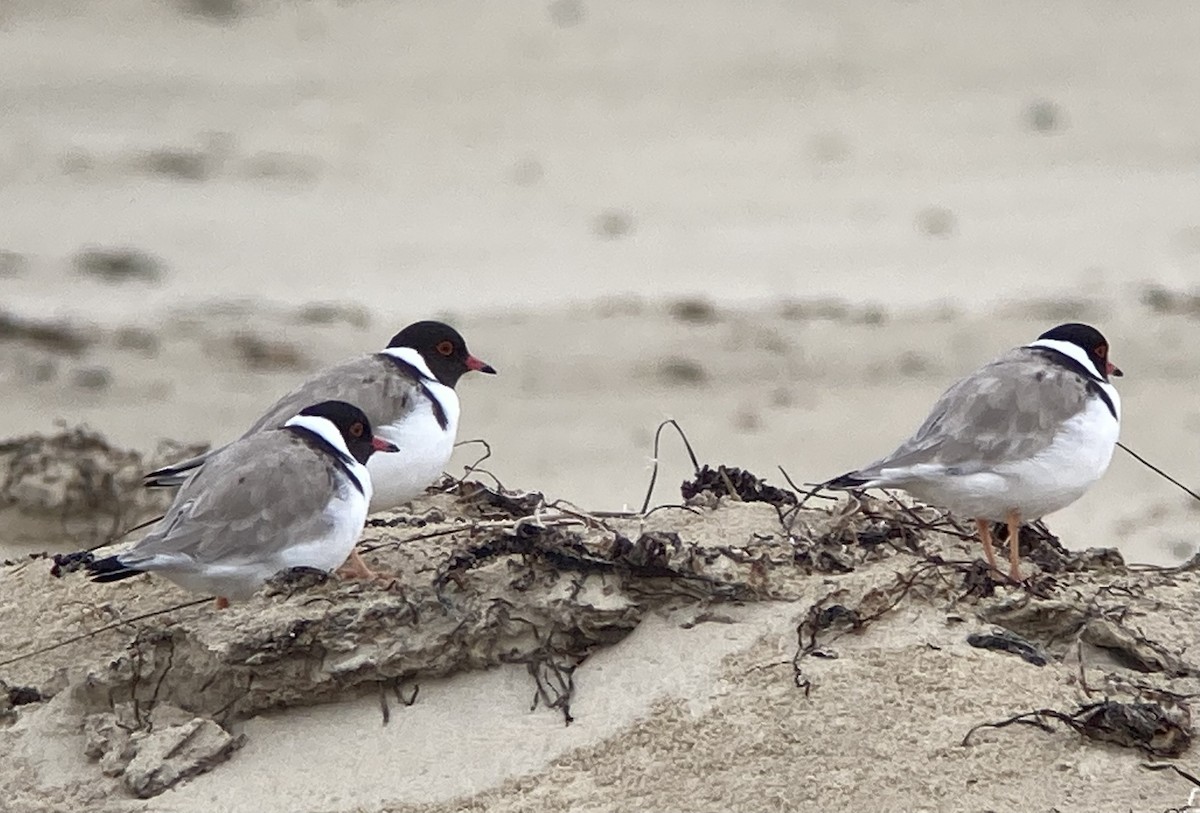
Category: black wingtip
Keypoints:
(848, 480)
(156, 483)
(171, 476)
(164, 478)
(109, 569)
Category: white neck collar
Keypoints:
(328, 432)
(411, 357)
(324, 429)
(1073, 352)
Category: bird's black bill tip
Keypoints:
(480, 366)
(381, 445)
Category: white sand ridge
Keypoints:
(643, 632)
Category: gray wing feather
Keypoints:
(1011, 408)
(176, 474)
(372, 383)
(248, 498)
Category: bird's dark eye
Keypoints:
(356, 429)
(1102, 351)
(445, 348)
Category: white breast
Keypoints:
(240, 576)
(346, 514)
(1039, 485)
(425, 449)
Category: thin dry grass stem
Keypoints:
(513, 525)
(1158, 471)
(733, 494)
(654, 471)
(1144, 726)
(397, 687)
(43, 555)
(816, 491)
(828, 612)
(1083, 681)
(589, 518)
(788, 517)
(480, 471)
(115, 625)
(1168, 766)
(472, 468)
(122, 534)
(669, 506)
(1184, 567)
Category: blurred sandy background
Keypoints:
(787, 225)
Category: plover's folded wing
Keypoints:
(246, 502)
(374, 383)
(1008, 410)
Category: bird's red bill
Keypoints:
(479, 365)
(381, 445)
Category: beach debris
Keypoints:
(1150, 727)
(1058, 623)
(612, 224)
(294, 580)
(1044, 549)
(12, 263)
(1010, 642)
(828, 619)
(1134, 651)
(60, 338)
(74, 488)
(507, 502)
(730, 481)
(1044, 116)
(682, 371)
(1047, 621)
(117, 265)
(694, 310)
(14, 696)
(153, 756)
(487, 575)
(1168, 301)
(70, 562)
(256, 352)
(334, 313)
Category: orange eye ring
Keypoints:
(356, 429)
(445, 348)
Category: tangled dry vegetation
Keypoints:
(74, 490)
(483, 575)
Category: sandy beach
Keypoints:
(788, 228)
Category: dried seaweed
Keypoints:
(13, 696)
(1005, 641)
(730, 481)
(84, 489)
(1044, 549)
(1149, 727)
(828, 619)
(519, 579)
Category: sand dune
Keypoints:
(788, 226)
